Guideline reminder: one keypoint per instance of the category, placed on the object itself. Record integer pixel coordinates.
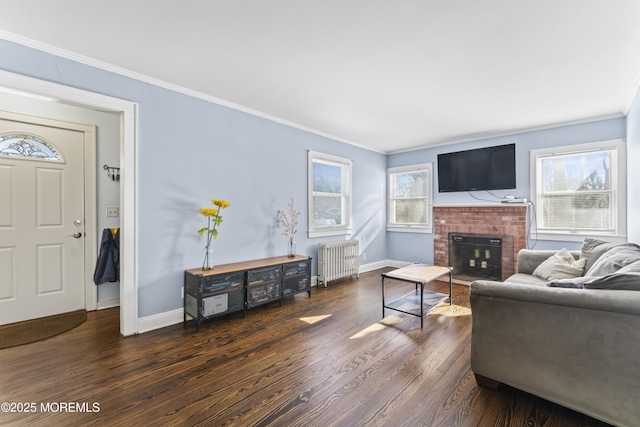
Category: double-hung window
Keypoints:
(580, 190)
(329, 195)
(409, 198)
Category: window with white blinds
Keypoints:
(580, 189)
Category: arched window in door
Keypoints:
(27, 146)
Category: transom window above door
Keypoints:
(27, 146)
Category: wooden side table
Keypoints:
(417, 303)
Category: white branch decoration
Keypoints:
(289, 221)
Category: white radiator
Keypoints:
(337, 260)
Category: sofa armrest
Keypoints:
(574, 347)
(529, 260)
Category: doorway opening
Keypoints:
(53, 92)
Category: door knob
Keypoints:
(77, 235)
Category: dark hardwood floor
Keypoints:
(328, 360)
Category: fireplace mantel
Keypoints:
(494, 219)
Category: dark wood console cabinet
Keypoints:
(236, 287)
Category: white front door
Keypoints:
(42, 224)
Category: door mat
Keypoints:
(34, 330)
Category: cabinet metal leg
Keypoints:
(383, 297)
(421, 306)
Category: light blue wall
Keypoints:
(633, 170)
(189, 151)
(419, 247)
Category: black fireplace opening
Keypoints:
(474, 256)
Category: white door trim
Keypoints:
(90, 200)
(128, 180)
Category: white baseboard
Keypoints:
(371, 266)
(160, 320)
(108, 303)
(382, 264)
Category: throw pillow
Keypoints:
(561, 265)
(614, 259)
(592, 249)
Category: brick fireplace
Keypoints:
(502, 220)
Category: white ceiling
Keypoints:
(387, 75)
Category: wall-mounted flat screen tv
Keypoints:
(490, 168)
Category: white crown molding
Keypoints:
(166, 85)
(511, 132)
(627, 107)
(257, 113)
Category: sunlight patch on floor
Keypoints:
(366, 331)
(313, 319)
(450, 311)
(391, 320)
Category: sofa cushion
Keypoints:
(592, 249)
(561, 265)
(614, 259)
(526, 279)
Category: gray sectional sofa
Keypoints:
(565, 328)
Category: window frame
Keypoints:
(618, 191)
(426, 227)
(346, 166)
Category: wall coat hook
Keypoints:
(113, 172)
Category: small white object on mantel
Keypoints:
(496, 204)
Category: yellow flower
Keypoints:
(220, 203)
(214, 219)
(209, 211)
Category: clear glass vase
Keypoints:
(291, 248)
(207, 262)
